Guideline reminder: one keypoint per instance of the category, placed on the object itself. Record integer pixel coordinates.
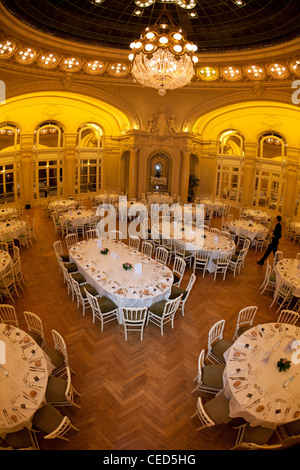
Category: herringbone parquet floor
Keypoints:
(137, 395)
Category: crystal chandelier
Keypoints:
(162, 58)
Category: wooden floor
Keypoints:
(137, 395)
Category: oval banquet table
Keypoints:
(256, 389)
(125, 288)
(23, 379)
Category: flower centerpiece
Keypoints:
(105, 251)
(283, 364)
(127, 266)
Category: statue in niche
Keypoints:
(162, 123)
(172, 124)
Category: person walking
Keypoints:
(273, 245)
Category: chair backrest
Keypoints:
(202, 255)
(134, 242)
(288, 316)
(3, 246)
(205, 420)
(115, 234)
(226, 234)
(34, 323)
(71, 239)
(16, 252)
(94, 304)
(223, 258)
(147, 248)
(8, 278)
(179, 247)
(60, 345)
(171, 307)
(17, 266)
(8, 314)
(190, 286)
(215, 230)
(201, 364)
(134, 315)
(161, 254)
(278, 256)
(246, 315)
(179, 266)
(216, 332)
(92, 233)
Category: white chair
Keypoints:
(103, 308)
(92, 233)
(161, 254)
(269, 282)
(177, 291)
(210, 377)
(245, 320)
(213, 412)
(8, 286)
(168, 244)
(58, 355)
(4, 246)
(163, 312)
(216, 231)
(254, 438)
(134, 319)
(50, 421)
(71, 239)
(25, 237)
(217, 345)
(134, 242)
(181, 251)
(288, 431)
(35, 329)
(179, 267)
(201, 260)
(61, 392)
(283, 296)
(80, 293)
(221, 263)
(288, 316)
(115, 235)
(236, 261)
(8, 315)
(147, 248)
(277, 257)
(18, 273)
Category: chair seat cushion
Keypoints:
(243, 329)
(37, 338)
(218, 409)
(272, 277)
(176, 292)
(234, 258)
(106, 305)
(79, 278)
(91, 290)
(56, 390)
(257, 434)
(212, 375)
(176, 278)
(220, 347)
(292, 428)
(47, 418)
(65, 258)
(19, 440)
(55, 357)
(158, 308)
(71, 267)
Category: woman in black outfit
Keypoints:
(273, 245)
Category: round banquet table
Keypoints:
(105, 197)
(195, 239)
(249, 229)
(8, 212)
(11, 229)
(214, 205)
(125, 288)
(288, 272)
(77, 217)
(256, 390)
(296, 227)
(23, 379)
(257, 214)
(63, 204)
(6, 263)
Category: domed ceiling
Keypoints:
(213, 25)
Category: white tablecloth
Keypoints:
(248, 229)
(105, 197)
(257, 391)
(159, 199)
(11, 229)
(8, 212)
(257, 214)
(213, 205)
(288, 271)
(195, 239)
(63, 204)
(77, 217)
(295, 226)
(23, 379)
(125, 288)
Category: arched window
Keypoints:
(89, 136)
(9, 137)
(48, 135)
(231, 142)
(272, 145)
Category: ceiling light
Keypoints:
(162, 58)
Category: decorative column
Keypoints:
(185, 173)
(69, 172)
(132, 192)
(249, 176)
(26, 177)
(291, 188)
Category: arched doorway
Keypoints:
(159, 172)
